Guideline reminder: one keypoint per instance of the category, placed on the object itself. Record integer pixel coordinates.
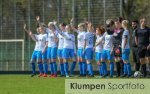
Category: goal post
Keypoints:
(22, 50)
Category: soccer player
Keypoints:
(117, 46)
(125, 46)
(98, 48)
(81, 56)
(82, 28)
(143, 43)
(42, 46)
(46, 30)
(60, 49)
(88, 48)
(34, 54)
(107, 53)
(134, 46)
(68, 49)
(52, 48)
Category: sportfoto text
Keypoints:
(110, 86)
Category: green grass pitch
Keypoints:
(24, 84)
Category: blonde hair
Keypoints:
(90, 27)
(82, 25)
(109, 22)
(51, 25)
(125, 23)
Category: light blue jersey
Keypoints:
(124, 36)
(89, 39)
(51, 39)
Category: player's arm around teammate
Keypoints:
(60, 49)
(82, 28)
(107, 53)
(68, 49)
(98, 48)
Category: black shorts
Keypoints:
(142, 53)
(135, 54)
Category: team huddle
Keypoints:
(112, 46)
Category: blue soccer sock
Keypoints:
(99, 68)
(51, 68)
(111, 69)
(104, 68)
(55, 67)
(62, 69)
(125, 69)
(33, 68)
(66, 68)
(45, 68)
(84, 67)
(72, 67)
(40, 65)
(80, 68)
(90, 69)
(129, 69)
